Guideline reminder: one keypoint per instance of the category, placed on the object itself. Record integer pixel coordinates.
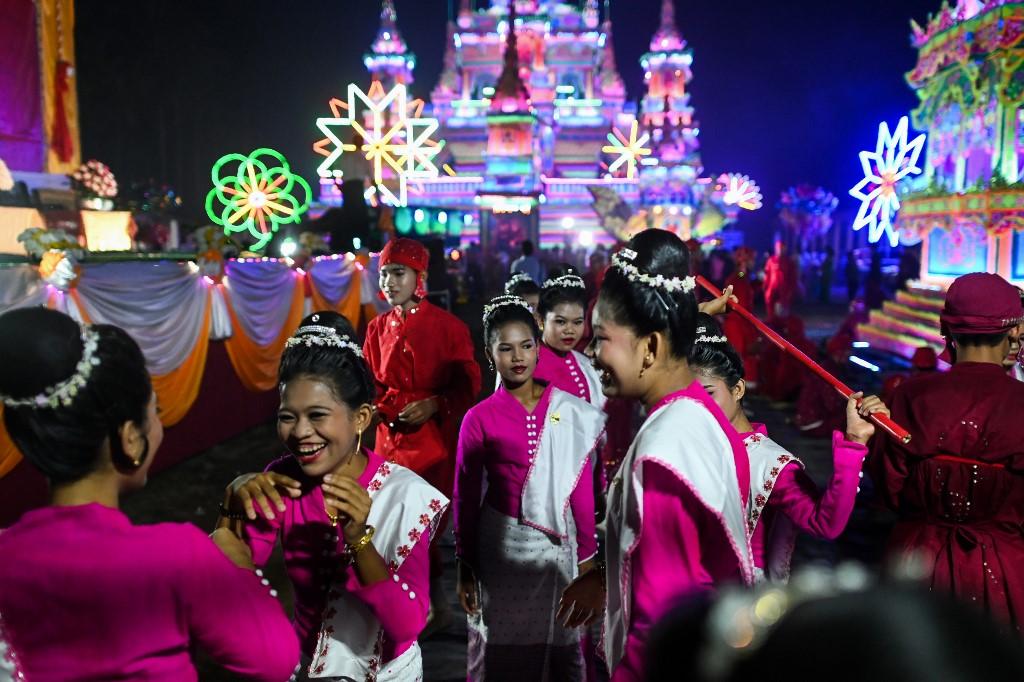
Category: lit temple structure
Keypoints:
(528, 101)
(967, 208)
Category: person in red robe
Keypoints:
(423, 363)
(781, 282)
(958, 485)
(741, 334)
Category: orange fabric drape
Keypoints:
(176, 391)
(9, 453)
(255, 365)
(350, 304)
(57, 44)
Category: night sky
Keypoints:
(785, 91)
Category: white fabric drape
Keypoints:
(21, 287)
(261, 295)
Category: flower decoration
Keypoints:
(6, 180)
(739, 190)
(628, 149)
(95, 179)
(257, 196)
(885, 169)
(63, 393)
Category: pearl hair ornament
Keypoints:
(64, 392)
(319, 335)
(622, 262)
(505, 300)
(572, 281)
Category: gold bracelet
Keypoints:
(363, 542)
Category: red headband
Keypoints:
(407, 252)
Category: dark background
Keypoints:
(785, 91)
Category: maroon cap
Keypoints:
(980, 303)
(407, 252)
(924, 358)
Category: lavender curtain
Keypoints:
(22, 142)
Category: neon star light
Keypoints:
(256, 194)
(893, 160)
(741, 191)
(397, 139)
(630, 150)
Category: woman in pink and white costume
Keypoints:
(687, 467)
(783, 498)
(84, 593)
(355, 529)
(524, 509)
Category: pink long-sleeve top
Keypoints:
(563, 372)
(675, 555)
(86, 595)
(312, 553)
(823, 514)
(495, 441)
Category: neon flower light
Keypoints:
(885, 169)
(395, 140)
(257, 196)
(629, 149)
(740, 191)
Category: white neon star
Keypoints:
(396, 138)
(629, 149)
(884, 169)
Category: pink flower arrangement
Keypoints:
(96, 179)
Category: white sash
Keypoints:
(569, 434)
(350, 641)
(767, 460)
(684, 437)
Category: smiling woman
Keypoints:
(355, 529)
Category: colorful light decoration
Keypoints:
(259, 197)
(740, 190)
(397, 138)
(630, 149)
(884, 169)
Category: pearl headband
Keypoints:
(621, 262)
(503, 301)
(64, 392)
(565, 281)
(516, 278)
(704, 338)
(319, 335)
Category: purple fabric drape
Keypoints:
(22, 142)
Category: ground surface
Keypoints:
(190, 492)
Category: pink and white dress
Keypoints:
(349, 630)
(784, 500)
(688, 471)
(524, 520)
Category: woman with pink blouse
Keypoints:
(783, 499)
(524, 509)
(84, 593)
(355, 529)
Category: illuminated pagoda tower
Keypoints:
(389, 60)
(509, 195)
(967, 207)
(669, 184)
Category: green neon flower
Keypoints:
(261, 196)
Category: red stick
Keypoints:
(879, 419)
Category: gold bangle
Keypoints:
(363, 542)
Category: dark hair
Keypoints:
(980, 339)
(915, 634)
(717, 358)
(345, 373)
(511, 311)
(41, 348)
(521, 287)
(551, 296)
(647, 309)
(527, 247)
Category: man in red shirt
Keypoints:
(780, 282)
(427, 377)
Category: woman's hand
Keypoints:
(419, 411)
(583, 601)
(469, 597)
(719, 305)
(233, 547)
(858, 428)
(350, 502)
(249, 491)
